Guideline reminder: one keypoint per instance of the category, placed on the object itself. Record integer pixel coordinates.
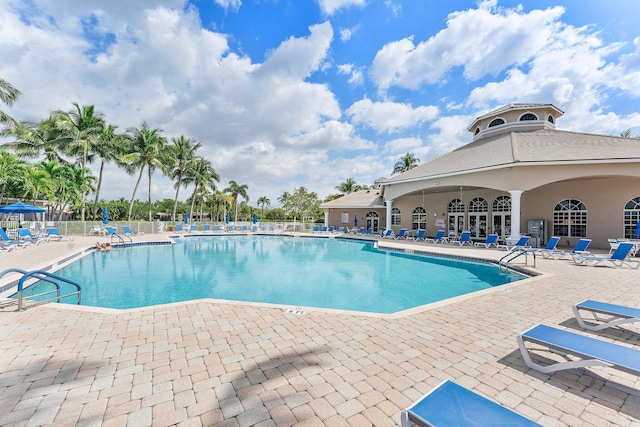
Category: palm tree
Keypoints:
(83, 128)
(146, 149)
(182, 153)
(202, 174)
(8, 95)
(236, 190)
(11, 171)
(110, 148)
(264, 201)
(627, 134)
(406, 162)
(349, 186)
(33, 140)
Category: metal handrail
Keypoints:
(45, 277)
(516, 254)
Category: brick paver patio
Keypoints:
(210, 363)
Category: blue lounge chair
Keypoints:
(618, 314)
(54, 234)
(316, 228)
(549, 248)
(580, 248)
(217, 228)
(369, 230)
(402, 234)
(193, 228)
(491, 240)
(25, 234)
(8, 244)
(590, 351)
(332, 229)
(465, 238)
(520, 244)
(420, 235)
(340, 229)
(440, 238)
(450, 404)
(388, 234)
(206, 227)
(178, 228)
(619, 258)
(129, 232)
(361, 230)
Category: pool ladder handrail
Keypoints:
(514, 254)
(121, 238)
(44, 276)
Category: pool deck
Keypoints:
(215, 363)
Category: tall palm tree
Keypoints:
(110, 148)
(406, 162)
(236, 190)
(202, 174)
(349, 186)
(264, 201)
(146, 149)
(83, 129)
(8, 95)
(33, 140)
(182, 154)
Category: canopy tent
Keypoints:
(22, 209)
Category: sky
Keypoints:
(291, 93)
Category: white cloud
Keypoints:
(229, 4)
(356, 76)
(329, 7)
(389, 117)
(481, 41)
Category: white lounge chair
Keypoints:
(618, 314)
(580, 248)
(54, 234)
(450, 404)
(520, 244)
(465, 238)
(491, 240)
(619, 258)
(589, 351)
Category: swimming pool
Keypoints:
(300, 272)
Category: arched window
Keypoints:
(419, 218)
(528, 116)
(570, 219)
(502, 204)
(496, 122)
(456, 205)
(395, 216)
(550, 119)
(478, 205)
(631, 218)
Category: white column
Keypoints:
(388, 219)
(326, 218)
(515, 215)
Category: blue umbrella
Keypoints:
(105, 216)
(22, 208)
(355, 220)
(226, 219)
(186, 218)
(255, 218)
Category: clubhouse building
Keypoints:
(519, 175)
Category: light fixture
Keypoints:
(435, 214)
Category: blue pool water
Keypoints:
(300, 272)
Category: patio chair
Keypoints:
(450, 404)
(491, 240)
(54, 234)
(388, 234)
(206, 227)
(178, 228)
(589, 351)
(440, 238)
(420, 235)
(520, 244)
(316, 228)
(618, 314)
(619, 258)
(465, 238)
(8, 244)
(340, 229)
(127, 231)
(550, 247)
(613, 245)
(580, 248)
(25, 234)
(369, 230)
(402, 234)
